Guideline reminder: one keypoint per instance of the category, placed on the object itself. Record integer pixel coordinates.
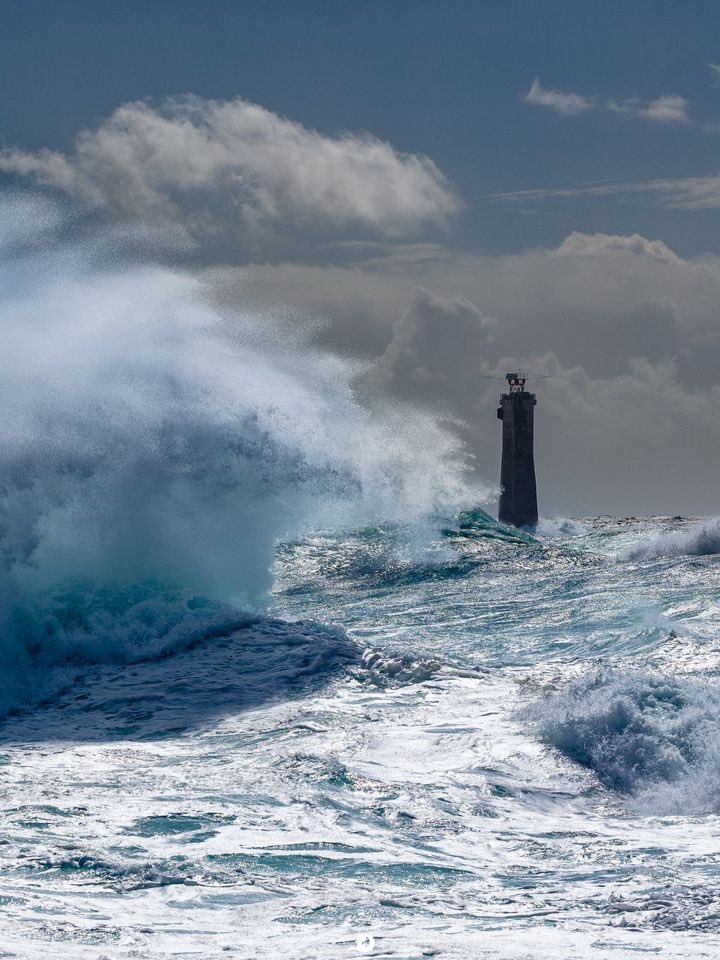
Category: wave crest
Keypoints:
(185, 658)
(652, 737)
(149, 435)
(699, 540)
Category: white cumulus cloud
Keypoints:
(665, 109)
(668, 108)
(564, 103)
(215, 165)
(596, 244)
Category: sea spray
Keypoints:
(145, 439)
(652, 737)
(697, 540)
(559, 527)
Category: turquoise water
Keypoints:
(485, 744)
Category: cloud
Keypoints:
(584, 300)
(560, 102)
(680, 193)
(218, 166)
(668, 108)
(714, 71)
(594, 244)
(27, 221)
(665, 109)
(434, 348)
(625, 327)
(596, 300)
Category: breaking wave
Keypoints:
(654, 738)
(150, 437)
(560, 527)
(184, 660)
(699, 540)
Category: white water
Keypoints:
(153, 450)
(647, 734)
(525, 765)
(506, 747)
(700, 539)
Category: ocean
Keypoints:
(269, 688)
(464, 741)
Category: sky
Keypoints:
(442, 191)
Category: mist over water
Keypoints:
(148, 439)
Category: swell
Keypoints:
(398, 555)
(108, 656)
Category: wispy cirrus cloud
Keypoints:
(668, 108)
(681, 193)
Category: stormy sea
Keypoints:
(273, 681)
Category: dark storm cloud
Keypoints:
(626, 329)
(434, 351)
(595, 300)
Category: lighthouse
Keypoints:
(518, 494)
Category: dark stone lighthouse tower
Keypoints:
(518, 497)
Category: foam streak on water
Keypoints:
(510, 751)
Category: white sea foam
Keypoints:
(560, 527)
(653, 737)
(699, 539)
(277, 785)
